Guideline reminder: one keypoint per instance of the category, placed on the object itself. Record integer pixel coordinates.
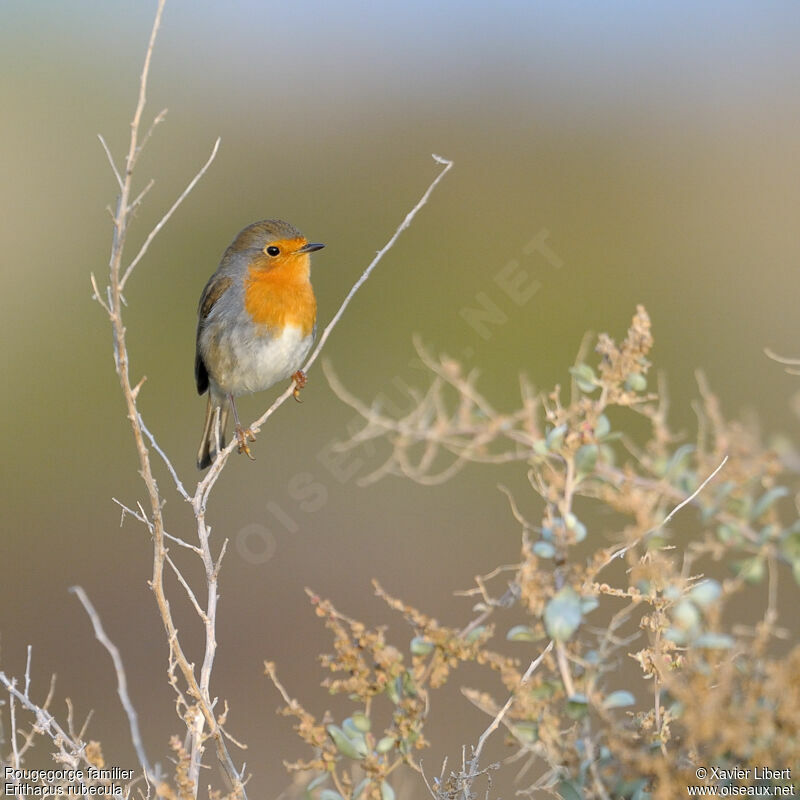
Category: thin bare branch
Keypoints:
(622, 550)
(135, 149)
(189, 593)
(504, 710)
(28, 670)
(139, 197)
(96, 295)
(785, 360)
(14, 746)
(163, 221)
(447, 164)
(137, 515)
(183, 543)
(122, 681)
(694, 494)
(165, 459)
(563, 668)
(157, 120)
(110, 159)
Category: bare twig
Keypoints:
(563, 668)
(14, 746)
(622, 550)
(96, 296)
(163, 221)
(139, 197)
(157, 120)
(183, 543)
(789, 363)
(122, 681)
(447, 164)
(165, 459)
(28, 670)
(495, 723)
(137, 515)
(110, 159)
(189, 593)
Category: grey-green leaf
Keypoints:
(318, 781)
(636, 382)
(586, 459)
(475, 634)
(354, 749)
(544, 549)
(361, 721)
(584, 377)
(521, 633)
(387, 793)
(766, 500)
(562, 615)
(619, 699)
(421, 646)
(684, 451)
(526, 732)
(685, 615)
(751, 569)
(714, 641)
(706, 593)
(555, 438)
(602, 427)
(360, 788)
(589, 604)
(569, 790)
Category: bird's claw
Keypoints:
(242, 437)
(300, 381)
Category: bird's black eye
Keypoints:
(273, 251)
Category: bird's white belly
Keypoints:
(255, 363)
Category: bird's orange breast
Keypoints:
(280, 294)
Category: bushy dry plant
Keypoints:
(558, 626)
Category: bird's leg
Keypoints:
(242, 434)
(300, 381)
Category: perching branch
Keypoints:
(205, 485)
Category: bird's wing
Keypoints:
(215, 288)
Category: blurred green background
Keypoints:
(656, 145)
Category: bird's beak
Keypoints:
(310, 247)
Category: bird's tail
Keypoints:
(213, 432)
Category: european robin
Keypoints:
(256, 324)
